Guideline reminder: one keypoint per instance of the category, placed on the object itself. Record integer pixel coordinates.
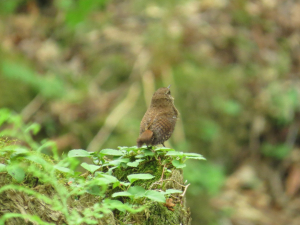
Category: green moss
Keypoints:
(6, 141)
(150, 165)
(160, 214)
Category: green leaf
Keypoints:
(2, 167)
(35, 128)
(111, 152)
(187, 155)
(90, 167)
(172, 191)
(117, 162)
(16, 172)
(94, 190)
(128, 149)
(178, 164)
(164, 149)
(135, 163)
(137, 191)
(115, 204)
(155, 196)
(16, 149)
(139, 156)
(122, 193)
(116, 184)
(148, 152)
(194, 156)
(125, 184)
(79, 153)
(64, 169)
(105, 178)
(175, 153)
(32, 218)
(36, 159)
(18, 154)
(140, 176)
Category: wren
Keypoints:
(159, 120)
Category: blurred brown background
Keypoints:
(86, 70)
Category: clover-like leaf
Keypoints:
(175, 153)
(115, 204)
(63, 169)
(16, 172)
(124, 184)
(172, 191)
(34, 128)
(36, 159)
(122, 193)
(164, 149)
(194, 156)
(105, 178)
(137, 191)
(79, 153)
(109, 151)
(155, 196)
(187, 155)
(117, 162)
(140, 176)
(148, 152)
(90, 167)
(95, 190)
(178, 164)
(135, 163)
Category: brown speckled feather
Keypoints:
(160, 118)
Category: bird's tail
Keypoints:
(145, 137)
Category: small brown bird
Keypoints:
(159, 121)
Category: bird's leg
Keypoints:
(163, 144)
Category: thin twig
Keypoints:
(185, 188)
(162, 175)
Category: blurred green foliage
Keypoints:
(207, 178)
(7, 7)
(77, 12)
(50, 86)
(279, 151)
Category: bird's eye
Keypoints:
(169, 92)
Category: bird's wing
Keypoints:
(163, 127)
(146, 122)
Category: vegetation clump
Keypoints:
(128, 185)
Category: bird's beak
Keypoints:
(169, 86)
